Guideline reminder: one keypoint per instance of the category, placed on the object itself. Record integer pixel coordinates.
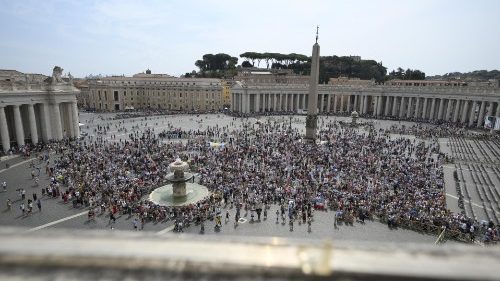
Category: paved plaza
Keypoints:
(476, 166)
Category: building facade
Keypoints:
(155, 91)
(36, 108)
(446, 102)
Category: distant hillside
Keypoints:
(477, 75)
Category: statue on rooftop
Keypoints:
(57, 75)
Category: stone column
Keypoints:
(472, 113)
(257, 103)
(380, 105)
(4, 130)
(417, 108)
(448, 110)
(32, 120)
(489, 112)
(247, 103)
(45, 122)
(497, 114)
(68, 116)
(335, 104)
(387, 105)
(76, 121)
(465, 108)
(328, 102)
(18, 123)
(402, 107)
(286, 102)
(433, 107)
(394, 105)
(440, 110)
(457, 109)
(355, 106)
(342, 103)
(480, 118)
(304, 107)
(408, 111)
(424, 109)
(320, 108)
(365, 104)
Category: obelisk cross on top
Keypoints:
(312, 99)
(317, 31)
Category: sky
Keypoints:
(115, 37)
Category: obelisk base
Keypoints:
(311, 127)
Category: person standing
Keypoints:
(9, 204)
(39, 205)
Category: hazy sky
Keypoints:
(126, 36)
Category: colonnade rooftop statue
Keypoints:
(312, 108)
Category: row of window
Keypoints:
(160, 83)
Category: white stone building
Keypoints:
(36, 108)
(155, 91)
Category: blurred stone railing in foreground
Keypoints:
(80, 255)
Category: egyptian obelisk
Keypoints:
(312, 99)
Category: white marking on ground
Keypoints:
(56, 222)
(168, 229)
(17, 164)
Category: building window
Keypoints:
(115, 94)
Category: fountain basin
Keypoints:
(164, 195)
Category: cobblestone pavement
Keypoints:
(56, 214)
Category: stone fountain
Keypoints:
(179, 191)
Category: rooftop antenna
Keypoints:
(317, 31)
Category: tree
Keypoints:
(246, 64)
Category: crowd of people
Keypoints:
(354, 174)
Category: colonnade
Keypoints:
(463, 109)
(33, 122)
